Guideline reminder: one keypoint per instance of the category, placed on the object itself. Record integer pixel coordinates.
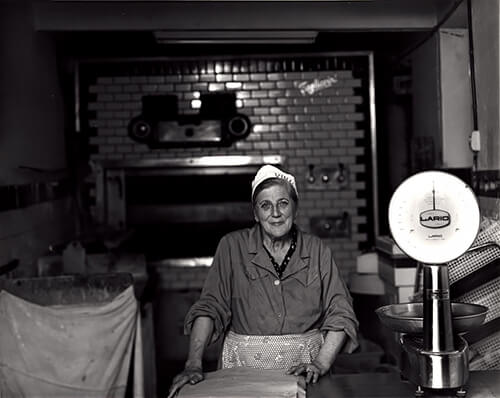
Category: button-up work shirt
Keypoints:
(243, 293)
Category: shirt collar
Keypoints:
(255, 241)
(261, 259)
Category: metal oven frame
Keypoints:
(110, 208)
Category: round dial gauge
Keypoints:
(434, 217)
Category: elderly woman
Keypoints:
(273, 293)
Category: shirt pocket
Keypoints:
(303, 295)
(251, 282)
(257, 285)
(306, 277)
(254, 273)
(253, 302)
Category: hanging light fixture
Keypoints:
(235, 36)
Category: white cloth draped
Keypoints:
(70, 351)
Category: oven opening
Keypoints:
(178, 208)
(181, 216)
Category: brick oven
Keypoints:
(316, 110)
(177, 208)
(310, 113)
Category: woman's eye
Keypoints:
(265, 206)
(283, 204)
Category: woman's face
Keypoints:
(275, 211)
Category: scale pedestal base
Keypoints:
(435, 370)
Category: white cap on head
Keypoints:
(268, 171)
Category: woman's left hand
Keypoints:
(312, 371)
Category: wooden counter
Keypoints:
(482, 384)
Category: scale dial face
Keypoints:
(434, 217)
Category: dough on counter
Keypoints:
(246, 383)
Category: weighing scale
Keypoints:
(434, 218)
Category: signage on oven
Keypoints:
(312, 87)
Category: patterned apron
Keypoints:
(270, 352)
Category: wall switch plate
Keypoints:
(331, 226)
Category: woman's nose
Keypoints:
(276, 211)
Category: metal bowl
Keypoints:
(408, 317)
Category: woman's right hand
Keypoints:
(191, 375)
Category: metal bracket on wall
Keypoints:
(327, 177)
(331, 226)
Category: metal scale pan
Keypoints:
(434, 218)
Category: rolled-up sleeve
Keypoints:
(338, 311)
(215, 298)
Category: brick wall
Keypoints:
(312, 110)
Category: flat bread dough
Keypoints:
(246, 383)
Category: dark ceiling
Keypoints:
(107, 33)
(125, 44)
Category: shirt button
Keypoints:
(279, 315)
(277, 282)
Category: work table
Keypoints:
(482, 384)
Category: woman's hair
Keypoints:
(276, 181)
